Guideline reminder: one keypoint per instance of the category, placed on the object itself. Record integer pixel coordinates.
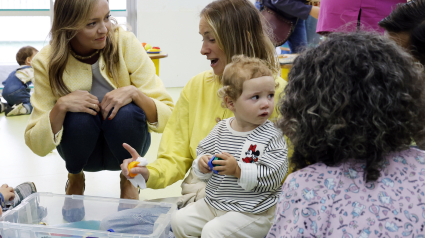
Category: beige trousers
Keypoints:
(200, 219)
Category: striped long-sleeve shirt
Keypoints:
(262, 157)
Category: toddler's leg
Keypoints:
(188, 221)
(237, 224)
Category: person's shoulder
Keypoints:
(123, 34)
(318, 169)
(197, 82)
(271, 129)
(125, 38)
(410, 156)
(42, 57)
(314, 175)
(281, 84)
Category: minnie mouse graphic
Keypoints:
(252, 154)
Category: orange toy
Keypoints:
(144, 43)
(130, 166)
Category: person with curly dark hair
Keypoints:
(350, 109)
(406, 26)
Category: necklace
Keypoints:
(83, 57)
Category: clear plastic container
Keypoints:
(47, 215)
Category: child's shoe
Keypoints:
(4, 107)
(16, 110)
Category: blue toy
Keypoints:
(213, 165)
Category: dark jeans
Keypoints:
(21, 95)
(93, 144)
(297, 41)
(313, 38)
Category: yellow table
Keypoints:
(286, 64)
(155, 59)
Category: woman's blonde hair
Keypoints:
(70, 16)
(239, 29)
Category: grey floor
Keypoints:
(19, 164)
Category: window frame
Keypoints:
(130, 12)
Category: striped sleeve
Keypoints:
(273, 166)
(204, 149)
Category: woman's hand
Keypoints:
(203, 164)
(116, 99)
(79, 101)
(136, 170)
(228, 165)
(7, 192)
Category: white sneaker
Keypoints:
(16, 110)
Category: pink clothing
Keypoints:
(321, 201)
(335, 14)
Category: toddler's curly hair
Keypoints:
(355, 97)
(241, 68)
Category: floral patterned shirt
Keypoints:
(321, 201)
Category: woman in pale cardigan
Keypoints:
(94, 89)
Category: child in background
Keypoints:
(16, 87)
(240, 199)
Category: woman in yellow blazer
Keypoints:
(94, 88)
(228, 28)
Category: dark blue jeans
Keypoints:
(297, 41)
(21, 95)
(92, 144)
(313, 38)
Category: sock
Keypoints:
(26, 106)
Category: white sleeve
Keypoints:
(195, 168)
(248, 179)
(55, 138)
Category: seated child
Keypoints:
(240, 199)
(16, 87)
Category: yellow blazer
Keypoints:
(135, 68)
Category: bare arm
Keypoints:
(147, 104)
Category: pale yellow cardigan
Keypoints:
(135, 68)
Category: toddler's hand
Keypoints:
(7, 192)
(203, 164)
(228, 165)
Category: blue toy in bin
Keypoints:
(213, 165)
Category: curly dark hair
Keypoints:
(409, 17)
(356, 97)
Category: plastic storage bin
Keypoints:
(47, 215)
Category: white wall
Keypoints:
(173, 26)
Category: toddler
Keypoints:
(16, 87)
(240, 199)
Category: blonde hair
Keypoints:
(241, 68)
(70, 16)
(24, 53)
(240, 29)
